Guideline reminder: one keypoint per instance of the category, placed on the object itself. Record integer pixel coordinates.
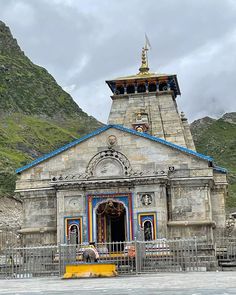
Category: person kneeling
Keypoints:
(90, 254)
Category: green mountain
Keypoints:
(36, 114)
(217, 138)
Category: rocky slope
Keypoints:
(217, 138)
(36, 115)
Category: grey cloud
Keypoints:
(82, 43)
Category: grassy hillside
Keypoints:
(36, 114)
(218, 139)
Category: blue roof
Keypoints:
(104, 128)
(220, 169)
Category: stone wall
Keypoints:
(218, 196)
(142, 153)
(39, 217)
(11, 212)
(190, 209)
(161, 107)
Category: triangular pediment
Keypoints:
(120, 128)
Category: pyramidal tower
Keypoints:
(146, 102)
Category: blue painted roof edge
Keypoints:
(163, 141)
(102, 129)
(220, 169)
(62, 149)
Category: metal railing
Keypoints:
(226, 253)
(168, 256)
(29, 262)
(147, 256)
(130, 258)
(122, 254)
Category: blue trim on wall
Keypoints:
(220, 169)
(151, 213)
(157, 139)
(104, 128)
(61, 149)
(123, 198)
(86, 206)
(73, 217)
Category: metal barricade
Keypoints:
(29, 262)
(226, 253)
(167, 256)
(122, 254)
(131, 258)
(145, 256)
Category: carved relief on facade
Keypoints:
(73, 203)
(108, 167)
(109, 163)
(111, 141)
(146, 199)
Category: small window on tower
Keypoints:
(163, 87)
(152, 87)
(130, 89)
(141, 88)
(119, 90)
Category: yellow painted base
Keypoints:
(91, 270)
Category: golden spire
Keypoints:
(144, 69)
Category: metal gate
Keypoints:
(135, 257)
(168, 256)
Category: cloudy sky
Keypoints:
(84, 43)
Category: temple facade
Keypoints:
(138, 176)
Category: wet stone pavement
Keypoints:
(208, 283)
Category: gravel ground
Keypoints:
(209, 283)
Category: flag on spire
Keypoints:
(147, 42)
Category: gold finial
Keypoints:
(144, 69)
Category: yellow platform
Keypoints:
(90, 270)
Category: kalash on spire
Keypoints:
(144, 81)
(146, 102)
(144, 69)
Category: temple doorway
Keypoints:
(111, 222)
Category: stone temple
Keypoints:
(138, 174)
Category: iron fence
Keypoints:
(122, 254)
(29, 262)
(168, 256)
(147, 256)
(130, 258)
(226, 253)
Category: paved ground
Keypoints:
(210, 283)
